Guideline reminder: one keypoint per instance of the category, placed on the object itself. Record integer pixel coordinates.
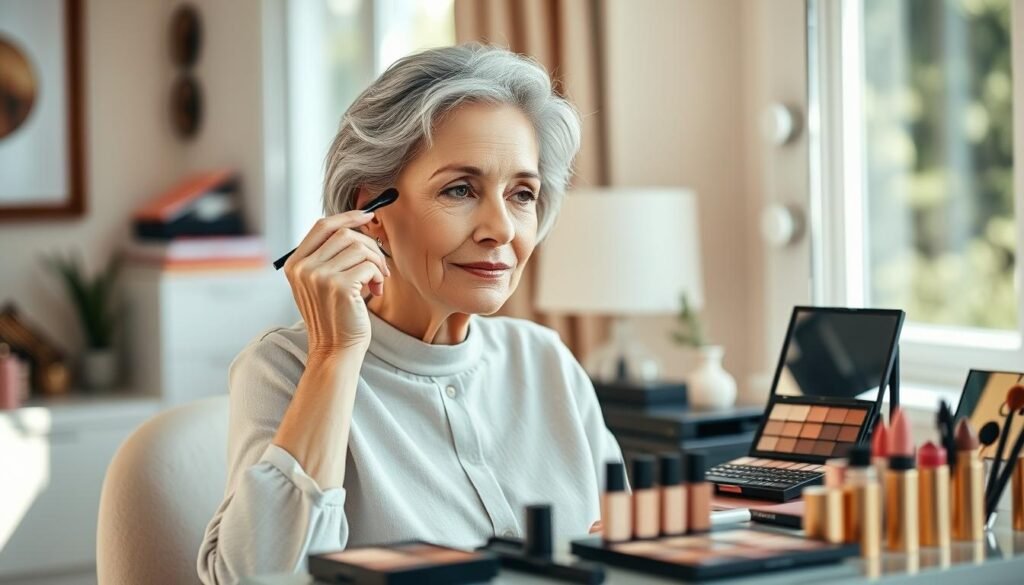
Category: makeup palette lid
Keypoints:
(643, 472)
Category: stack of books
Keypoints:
(196, 225)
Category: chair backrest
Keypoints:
(161, 489)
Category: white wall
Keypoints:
(132, 153)
(678, 114)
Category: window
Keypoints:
(335, 49)
(914, 191)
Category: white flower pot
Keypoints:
(709, 385)
(99, 368)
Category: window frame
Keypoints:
(930, 354)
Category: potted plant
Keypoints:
(708, 385)
(93, 299)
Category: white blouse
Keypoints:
(448, 444)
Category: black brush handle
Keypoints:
(388, 197)
(1004, 478)
(1000, 451)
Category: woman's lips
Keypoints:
(485, 269)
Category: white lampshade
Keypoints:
(622, 251)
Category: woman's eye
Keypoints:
(458, 191)
(525, 196)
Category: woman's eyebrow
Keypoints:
(476, 172)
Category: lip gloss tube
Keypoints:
(901, 490)
(616, 505)
(646, 500)
(968, 485)
(933, 503)
(880, 456)
(673, 495)
(698, 501)
(1017, 497)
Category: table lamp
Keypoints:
(622, 252)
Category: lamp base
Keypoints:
(623, 359)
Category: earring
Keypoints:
(380, 245)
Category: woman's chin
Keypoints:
(479, 302)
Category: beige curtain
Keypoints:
(565, 36)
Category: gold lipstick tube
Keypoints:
(1017, 497)
(901, 520)
(968, 497)
(933, 506)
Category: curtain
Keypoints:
(564, 36)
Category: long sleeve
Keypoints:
(603, 445)
(273, 513)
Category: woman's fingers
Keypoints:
(346, 239)
(365, 274)
(352, 255)
(323, 229)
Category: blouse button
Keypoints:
(509, 533)
(450, 391)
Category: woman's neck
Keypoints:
(406, 311)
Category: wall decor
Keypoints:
(41, 134)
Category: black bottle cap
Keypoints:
(671, 472)
(643, 472)
(614, 477)
(538, 530)
(860, 456)
(696, 467)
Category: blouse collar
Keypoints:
(415, 356)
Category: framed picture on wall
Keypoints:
(41, 141)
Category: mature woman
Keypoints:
(405, 414)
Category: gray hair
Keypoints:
(391, 121)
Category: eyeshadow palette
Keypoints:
(817, 431)
(716, 554)
(407, 563)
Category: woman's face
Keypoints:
(465, 223)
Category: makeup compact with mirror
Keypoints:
(993, 402)
(826, 395)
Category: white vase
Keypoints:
(709, 385)
(99, 368)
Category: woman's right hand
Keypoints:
(327, 273)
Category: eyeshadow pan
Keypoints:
(855, 416)
(810, 431)
(786, 445)
(779, 412)
(773, 427)
(823, 448)
(767, 443)
(829, 432)
(848, 434)
(836, 415)
(841, 450)
(798, 412)
(805, 446)
(817, 414)
(791, 429)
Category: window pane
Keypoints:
(938, 155)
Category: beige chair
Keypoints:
(163, 486)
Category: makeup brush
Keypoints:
(988, 435)
(1014, 402)
(388, 197)
(944, 421)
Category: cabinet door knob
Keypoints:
(781, 224)
(780, 124)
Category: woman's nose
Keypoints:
(494, 222)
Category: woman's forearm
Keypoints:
(315, 428)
